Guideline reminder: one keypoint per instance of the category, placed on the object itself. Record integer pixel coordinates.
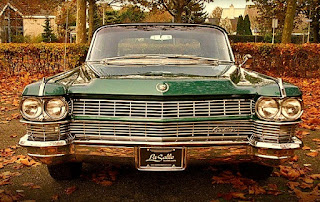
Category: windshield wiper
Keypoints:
(159, 60)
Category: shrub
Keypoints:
(273, 59)
(41, 57)
(282, 59)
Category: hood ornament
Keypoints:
(162, 87)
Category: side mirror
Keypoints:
(247, 60)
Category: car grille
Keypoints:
(272, 133)
(48, 132)
(162, 109)
(161, 132)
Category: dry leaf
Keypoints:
(306, 148)
(312, 154)
(70, 190)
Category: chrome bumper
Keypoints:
(54, 152)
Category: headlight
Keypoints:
(56, 108)
(267, 108)
(291, 108)
(31, 108)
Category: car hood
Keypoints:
(232, 81)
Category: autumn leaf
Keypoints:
(306, 148)
(312, 154)
(256, 190)
(55, 197)
(70, 190)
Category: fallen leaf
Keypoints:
(55, 197)
(312, 154)
(256, 190)
(105, 183)
(70, 190)
(306, 148)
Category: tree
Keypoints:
(178, 9)
(288, 23)
(194, 13)
(247, 26)
(240, 26)
(48, 35)
(112, 16)
(311, 9)
(217, 12)
(156, 15)
(81, 22)
(131, 14)
(226, 24)
(268, 10)
(91, 12)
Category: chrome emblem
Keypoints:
(162, 87)
(224, 130)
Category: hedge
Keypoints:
(40, 57)
(278, 59)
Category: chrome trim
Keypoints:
(272, 157)
(282, 89)
(293, 145)
(44, 123)
(278, 123)
(27, 143)
(44, 116)
(279, 117)
(42, 86)
(135, 143)
(45, 156)
(162, 109)
(161, 132)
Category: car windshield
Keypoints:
(127, 44)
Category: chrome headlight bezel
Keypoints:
(64, 106)
(45, 116)
(280, 116)
(23, 111)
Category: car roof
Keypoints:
(164, 24)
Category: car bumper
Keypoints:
(55, 152)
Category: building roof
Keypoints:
(28, 7)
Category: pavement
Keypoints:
(104, 182)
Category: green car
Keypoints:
(161, 97)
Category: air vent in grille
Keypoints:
(48, 132)
(271, 133)
(161, 132)
(162, 109)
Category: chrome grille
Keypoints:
(47, 132)
(272, 133)
(162, 109)
(161, 132)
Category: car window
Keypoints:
(129, 40)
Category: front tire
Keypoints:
(255, 171)
(65, 171)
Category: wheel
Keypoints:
(65, 171)
(255, 171)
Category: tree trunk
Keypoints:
(81, 21)
(178, 16)
(288, 22)
(91, 19)
(316, 29)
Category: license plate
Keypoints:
(160, 159)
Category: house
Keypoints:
(230, 17)
(22, 18)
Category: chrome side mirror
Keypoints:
(247, 59)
